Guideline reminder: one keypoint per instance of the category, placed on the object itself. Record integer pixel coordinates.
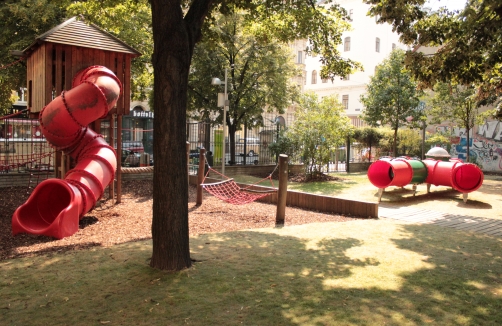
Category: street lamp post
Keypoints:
(217, 81)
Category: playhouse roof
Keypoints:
(75, 31)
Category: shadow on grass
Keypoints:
(357, 273)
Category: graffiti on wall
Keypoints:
(485, 145)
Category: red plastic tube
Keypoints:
(385, 173)
(55, 206)
(463, 177)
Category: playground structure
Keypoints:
(55, 206)
(399, 172)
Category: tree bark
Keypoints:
(231, 142)
(395, 142)
(174, 40)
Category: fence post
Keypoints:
(347, 160)
(200, 175)
(282, 193)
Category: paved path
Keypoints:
(459, 222)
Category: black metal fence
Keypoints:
(251, 146)
(23, 147)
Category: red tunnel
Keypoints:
(55, 206)
(463, 177)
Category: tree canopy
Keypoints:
(367, 137)
(18, 31)
(468, 42)
(457, 104)
(391, 96)
(259, 72)
(26, 19)
(319, 126)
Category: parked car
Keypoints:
(134, 146)
(252, 146)
(239, 159)
(194, 153)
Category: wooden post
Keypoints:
(282, 193)
(188, 162)
(200, 175)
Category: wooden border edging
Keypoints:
(324, 204)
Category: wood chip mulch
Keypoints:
(109, 224)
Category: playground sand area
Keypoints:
(131, 220)
(110, 224)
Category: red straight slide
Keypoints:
(55, 206)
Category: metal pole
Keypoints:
(224, 123)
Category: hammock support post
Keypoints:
(200, 175)
(282, 192)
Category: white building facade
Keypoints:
(368, 43)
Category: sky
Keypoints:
(450, 4)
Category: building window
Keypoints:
(314, 77)
(393, 46)
(351, 13)
(324, 80)
(299, 58)
(377, 44)
(346, 44)
(345, 101)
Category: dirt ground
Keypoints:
(110, 223)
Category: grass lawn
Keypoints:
(331, 188)
(363, 272)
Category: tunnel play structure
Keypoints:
(399, 172)
(55, 206)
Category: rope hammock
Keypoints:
(229, 191)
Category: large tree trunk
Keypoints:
(468, 139)
(231, 142)
(395, 142)
(174, 39)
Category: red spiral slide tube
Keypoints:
(55, 206)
